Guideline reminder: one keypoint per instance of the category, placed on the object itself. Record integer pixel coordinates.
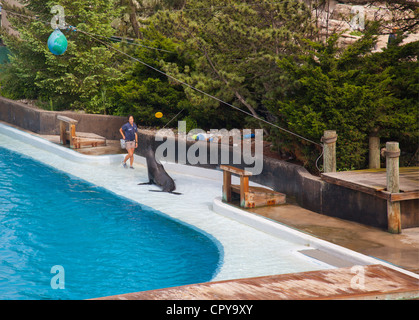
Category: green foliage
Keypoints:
(191, 123)
(73, 79)
(234, 46)
(257, 55)
(353, 92)
(142, 91)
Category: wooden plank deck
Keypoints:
(373, 181)
(379, 282)
(259, 197)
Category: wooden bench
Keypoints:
(67, 135)
(77, 141)
(250, 197)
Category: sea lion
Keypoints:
(157, 175)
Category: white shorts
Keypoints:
(129, 145)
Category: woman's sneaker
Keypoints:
(124, 164)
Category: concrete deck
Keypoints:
(399, 249)
(373, 282)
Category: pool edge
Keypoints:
(278, 229)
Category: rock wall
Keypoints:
(336, 16)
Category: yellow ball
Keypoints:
(159, 114)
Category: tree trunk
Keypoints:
(133, 20)
(236, 93)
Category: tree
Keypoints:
(353, 92)
(73, 79)
(142, 91)
(234, 45)
(134, 11)
(127, 23)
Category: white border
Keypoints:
(280, 230)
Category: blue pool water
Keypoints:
(105, 244)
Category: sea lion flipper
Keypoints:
(144, 183)
(172, 192)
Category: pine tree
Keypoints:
(142, 91)
(234, 45)
(353, 91)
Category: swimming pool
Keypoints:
(242, 250)
(105, 244)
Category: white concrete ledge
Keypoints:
(277, 229)
(61, 151)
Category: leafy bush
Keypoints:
(70, 80)
(352, 91)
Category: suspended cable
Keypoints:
(173, 118)
(181, 82)
(112, 38)
(125, 40)
(202, 92)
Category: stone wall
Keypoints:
(45, 122)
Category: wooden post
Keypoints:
(73, 136)
(329, 151)
(63, 135)
(392, 153)
(226, 186)
(244, 187)
(374, 152)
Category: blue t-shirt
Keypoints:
(129, 131)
